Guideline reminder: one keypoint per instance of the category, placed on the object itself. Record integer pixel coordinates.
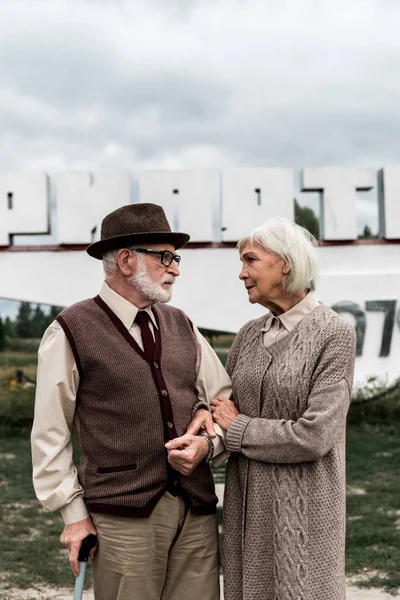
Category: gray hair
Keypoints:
(293, 244)
(110, 262)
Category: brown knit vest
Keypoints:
(128, 408)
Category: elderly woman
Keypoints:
(292, 373)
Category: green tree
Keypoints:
(2, 336)
(54, 311)
(38, 322)
(306, 217)
(23, 323)
(9, 328)
(367, 234)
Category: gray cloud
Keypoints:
(134, 84)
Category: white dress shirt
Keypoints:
(54, 474)
(276, 328)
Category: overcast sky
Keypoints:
(95, 84)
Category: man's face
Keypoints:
(152, 278)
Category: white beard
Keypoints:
(149, 288)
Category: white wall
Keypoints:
(210, 292)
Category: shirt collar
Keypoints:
(292, 317)
(269, 322)
(125, 310)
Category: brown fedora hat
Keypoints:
(135, 224)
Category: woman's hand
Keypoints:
(224, 412)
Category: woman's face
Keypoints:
(262, 274)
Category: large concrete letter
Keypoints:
(389, 308)
(84, 199)
(354, 309)
(24, 205)
(338, 187)
(389, 202)
(187, 198)
(251, 196)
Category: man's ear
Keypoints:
(126, 261)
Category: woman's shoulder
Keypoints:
(329, 323)
(251, 326)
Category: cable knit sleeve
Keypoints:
(322, 423)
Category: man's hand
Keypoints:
(186, 452)
(224, 412)
(73, 536)
(202, 420)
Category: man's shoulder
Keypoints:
(166, 309)
(78, 307)
(169, 312)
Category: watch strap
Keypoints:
(210, 443)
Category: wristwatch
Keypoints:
(210, 443)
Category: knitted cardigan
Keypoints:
(284, 506)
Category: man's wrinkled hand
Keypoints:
(73, 536)
(186, 452)
(202, 420)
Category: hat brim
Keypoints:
(97, 249)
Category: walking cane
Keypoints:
(88, 543)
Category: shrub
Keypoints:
(383, 410)
(23, 344)
(16, 408)
(18, 360)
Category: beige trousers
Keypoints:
(172, 555)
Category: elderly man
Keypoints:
(130, 374)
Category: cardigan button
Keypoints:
(170, 424)
(155, 365)
(164, 393)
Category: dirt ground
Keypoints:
(353, 593)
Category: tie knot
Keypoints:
(142, 317)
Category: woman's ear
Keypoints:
(286, 268)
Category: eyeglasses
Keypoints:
(166, 256)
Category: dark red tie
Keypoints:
(143, 318)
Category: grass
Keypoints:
(30, 551)
(12, 360)
(16, 408)
(373, 517)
